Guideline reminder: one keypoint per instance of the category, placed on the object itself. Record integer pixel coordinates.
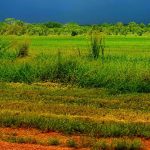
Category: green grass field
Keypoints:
(59, 87)
(126, 63)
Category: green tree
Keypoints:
(132, 27)
(53, 25)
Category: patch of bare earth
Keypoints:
(15, 146)
(147, 144)
(42, 137)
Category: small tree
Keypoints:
(97, 44)
(74, 33)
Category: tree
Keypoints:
(72, 27)
(53, 25)
(74, 33)
(132, 27)
(140, 31)
(37, 30)
(119, 26)
(142, 25)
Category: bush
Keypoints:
(97, 43)
(118, 144)
(53, 141)
(126, 144)
(102, 145)
(74, 33)
(23, 49)
(71, 143)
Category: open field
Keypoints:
(59, 88)
(65, 59)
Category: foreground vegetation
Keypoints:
(97, 87)
(92, 112)
(53, 140)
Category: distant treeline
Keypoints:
(11, 26)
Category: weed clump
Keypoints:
(74, 33)
(97, 43)
(72, 143)
(101, 145)
(126, 144)
(118, 144)
(22, 140)
(53, 141)
(23, 48)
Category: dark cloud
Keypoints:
(81, 11)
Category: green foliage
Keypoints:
(119, 72)
(11, 26)
(54, 141)
(71, 143)
(23, 48)
(4, 46)
(126, 144)
(75, 125)
(22, 140)
(118, 144)
(53, 25)
(97, 42)
(101, 145)
(74, 33)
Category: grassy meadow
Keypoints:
(65, 59)
(60, 87)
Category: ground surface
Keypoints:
(14, 146)
(41, 137)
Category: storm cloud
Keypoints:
(80, 11)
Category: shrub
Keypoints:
(53, 141)
(126, 144)
(74, 33)
(97, 43)
(23, 49)
(101, 145)
(71, 143)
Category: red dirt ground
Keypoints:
(43, 137)
(14, 146)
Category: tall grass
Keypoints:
(119, 144)
(115, 74)
(4, 46)
(127, 73)
(23, 48)
(97, 44)
(74, 125)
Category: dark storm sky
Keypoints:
(80, 11)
